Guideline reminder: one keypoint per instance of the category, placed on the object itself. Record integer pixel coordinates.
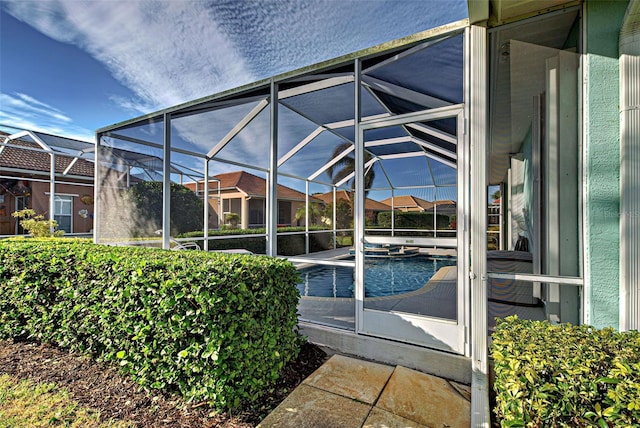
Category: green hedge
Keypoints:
(288, 245)
(564, 375)
(216, 327)
(412, 220)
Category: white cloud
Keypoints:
(30, 107)
(26, 112)
(166, 52)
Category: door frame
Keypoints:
(446, 335)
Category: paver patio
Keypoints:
(347, 392)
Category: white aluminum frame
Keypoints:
(450, 333)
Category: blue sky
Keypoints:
(69, 67)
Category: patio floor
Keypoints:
(346, 392)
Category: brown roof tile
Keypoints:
(40, 162)
(253, 185)
(408, 201)
(369, 204)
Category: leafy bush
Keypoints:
(216, 327)
(288, 245)
(36, 224)
(412, 220)
(564, 375)
(186, 208)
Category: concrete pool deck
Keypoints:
(437, 298)
(352, 393)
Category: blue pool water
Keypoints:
(382, 277)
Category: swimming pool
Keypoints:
(382, 277)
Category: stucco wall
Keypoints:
(40, 203)
(602, 168)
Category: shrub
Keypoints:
(146, 199)
(412, 220)
(216, 327)
(565, 375)
(36, 225)
(288, 245)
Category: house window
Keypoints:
(284, 213)
(256, 213)
(62, 212)
(21, 204)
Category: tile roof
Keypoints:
(369, 204)
(408, 201)
(253, 185)
(40, 162)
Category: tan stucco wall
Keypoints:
(39, 201)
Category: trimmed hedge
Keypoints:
(288, 245)
(216, 327)
(565, 375)
(412, 220)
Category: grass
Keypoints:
(26, 404)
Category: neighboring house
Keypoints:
(244, 194)
(408, 203)
(25, 182)
(371, 207)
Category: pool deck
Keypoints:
(437, 298)
(341, 253)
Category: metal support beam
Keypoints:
(300, 145)
(404, 93)
(97, 188)
(52, 190)
(358, 204)
(166, 184)
(272, 181)
(335, 237)
(306, 217)
(206, 205)
(239, 127)
(332, 162)
(316, 86)
(71, 164)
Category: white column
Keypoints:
(630, 169)
(272, 181)
(478, 124)
(206, 204)
(52, 191)
(358, 200)
(166, 184)
(97, 211)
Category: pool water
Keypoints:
(382, 277)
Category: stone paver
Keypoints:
(379, 418)
(309, 407)
(351, 378)
(350, 393)
(427, 399)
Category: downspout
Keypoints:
(630, 168)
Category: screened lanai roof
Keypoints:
(27, 150)
(316, 118)
(52, 143)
